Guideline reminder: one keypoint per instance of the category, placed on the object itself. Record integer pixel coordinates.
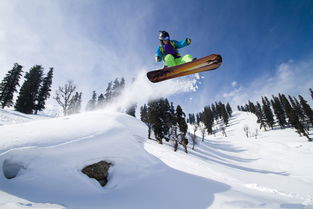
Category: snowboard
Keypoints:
(207, 63)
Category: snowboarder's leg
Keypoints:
(184, 59)
(187, 58)
(169, 60)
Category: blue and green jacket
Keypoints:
(160, 52)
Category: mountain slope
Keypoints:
(272, 171)
(53, 152)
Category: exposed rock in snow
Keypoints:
(98, 171)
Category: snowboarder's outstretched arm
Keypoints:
(181, 44)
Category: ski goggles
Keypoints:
(165, 38)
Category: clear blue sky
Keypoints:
(265, 44)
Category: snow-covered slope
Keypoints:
(273, 171)
(53, 152)
(12, 117)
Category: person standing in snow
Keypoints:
(168, 50)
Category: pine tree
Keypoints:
(293, 117)
(279, 112)
(191, 118)
(208, 119)
(108, 93)
(75, 104)
(26, 101)
(171, 122)
(306, 109)
(219, 109)
(91, 105)
(287, 107)
(131, 110)
(158, 112)
(101, 101)
(44, 92)
(214, 111)
(251, 107)
(229, 110)
(269, 117)
(297, 106)
(144, 117)
(9, 84)
(118, 87)
(311, 93)
(180, 117)
(261, 116)
(225, 115)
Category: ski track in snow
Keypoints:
(306, 200)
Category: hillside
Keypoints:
(272, 171)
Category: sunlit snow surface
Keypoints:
(272, 171)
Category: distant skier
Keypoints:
(168, 50)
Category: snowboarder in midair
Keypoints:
(168, 50)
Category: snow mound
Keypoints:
(53, 152)
(8, 117)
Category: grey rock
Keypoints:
(98, 171)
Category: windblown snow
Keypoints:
(44, 158)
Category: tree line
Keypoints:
(71, 101)
(168, 122)
(33, 93)
(36, 88)
(283, 111)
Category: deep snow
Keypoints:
(273, 171)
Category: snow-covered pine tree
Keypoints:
(118, 87)
(91, 105)
(26, 101)
(9, 85)
(44, 92)
(101, 101)
(108, 93)
(75, 104)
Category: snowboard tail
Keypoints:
(207, 63)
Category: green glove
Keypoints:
(188, 41)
